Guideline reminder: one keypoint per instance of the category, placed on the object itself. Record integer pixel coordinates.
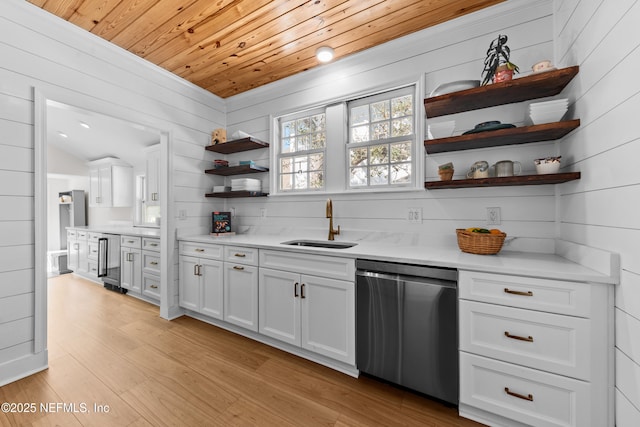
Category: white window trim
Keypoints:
(336, 161)
(366, 100)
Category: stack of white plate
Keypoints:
(548, 111)
(246, 184)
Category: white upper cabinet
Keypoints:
(152, 190)
(110, 183)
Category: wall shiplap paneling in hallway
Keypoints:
(45, 54)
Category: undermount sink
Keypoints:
(320, 244)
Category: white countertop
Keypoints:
(121, 229)
(507, 262)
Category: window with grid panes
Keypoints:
(301, 154)
(381, 140)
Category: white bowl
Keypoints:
(562, 101)
(549, 167)
(442, 129)
(548, 107)
(549, 117)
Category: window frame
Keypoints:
(279, 155)
(413, 138)
(337, 179)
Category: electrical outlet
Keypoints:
(233, 212)
(182, 214)
(493, 216)
(414, 215)
(263, 213)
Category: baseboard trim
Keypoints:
(23, 367)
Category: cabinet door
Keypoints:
(279, 305)
(94, 187)
(152, 196)
(241, 295)
(328, 317)
(121, 186)
(189, 283)
(211, 296)
(83, 251)
(104, 173)
(73, 248)
(131, 269)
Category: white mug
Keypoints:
(507, 168)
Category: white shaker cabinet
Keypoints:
(110, 183)
(77, 251)
(152, 186)
(151, 269)
(131, 264)
(311, 311)
(241, 287)
(535, 352)
(201, 278)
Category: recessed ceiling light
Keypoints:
(84, 125)
(324, 54)
(63, 135)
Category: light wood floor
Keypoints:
(113, 352)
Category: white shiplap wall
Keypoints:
(452, 51)
(42, 54)
(601, 209)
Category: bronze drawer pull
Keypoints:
(240, 255)
(199, 250)
(302, 291)
(154, 286)
(295, 290)
(528, 397)
(153, 263)
(524, 294)
(153, 244)
(516, 337)
(237, 267)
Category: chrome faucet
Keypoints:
(332, 232)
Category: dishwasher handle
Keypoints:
(434, 281)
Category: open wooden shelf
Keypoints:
(495, 138)
(553, 178)
(533, 86)
(237, 145)
(234, 194)
(236, 170)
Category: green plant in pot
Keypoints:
(497, 66)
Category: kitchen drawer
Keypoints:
(71, 234)
(93, 237)
(554, 296)
(130, 242)
(92, 268)
(240, 255)
(554, 343)
(317, 265)
(151, 262)
(201, 250)
(526, 395)
(82, 235)
(92, 252)
(150, 244)
(151, 286)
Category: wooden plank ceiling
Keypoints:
(230, 46)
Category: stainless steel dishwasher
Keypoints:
(407, 327)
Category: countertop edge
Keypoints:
(549, 266)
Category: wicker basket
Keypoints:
(479, 243)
